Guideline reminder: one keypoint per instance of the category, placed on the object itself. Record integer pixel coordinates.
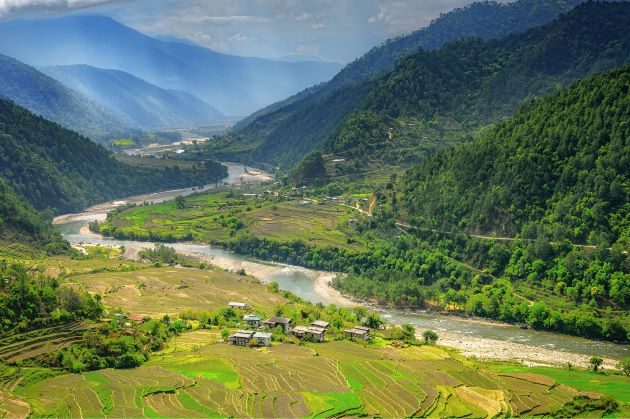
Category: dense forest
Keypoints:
(60, 171)
(561, 165)
(20, 223)
(289, 130)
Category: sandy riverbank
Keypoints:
(528, 355)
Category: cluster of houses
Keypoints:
(315, 332)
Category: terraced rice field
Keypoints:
(321, 380)
(26, 346)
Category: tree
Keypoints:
(624, 366)
(595, 363)
(373, 321)
(225, 334)
(180, 202)
(430, 337)
(408, 332)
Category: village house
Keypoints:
(252, 320)
(274, 322)
(262, 338)
(137, 318)
(321, 324)
(238, 306)
(241, 338)
(317, 334)
(358, 332)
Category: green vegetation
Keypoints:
(463, 85)
(60, 171)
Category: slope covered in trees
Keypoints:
(134, 101)
(45, 96)
(20, 223)
(562, 164)
(287, 130)
(58, 170)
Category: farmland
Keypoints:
(204, 378)
(218, 217)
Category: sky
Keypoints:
(332, 30)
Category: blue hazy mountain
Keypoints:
(49, 98)
(234, 85)
(134, 101)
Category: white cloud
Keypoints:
(240, 37)
(304, 16)
(308, 49)
(319, 25)
(11, 6)
(381, 16)
(235, 19)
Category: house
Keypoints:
(262, 338)
(252, 320)
(320, 324)
(358, 332)
(137, 318)
(316, 334)
(239, 306)
(274, 322)
(241, 338)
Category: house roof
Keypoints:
(262, 335)
(136, 317)
(251, 317)
(356, 331)
(367, 329)
(245, 334)
(300, 329)
(281, 320)
(320, 323)
(316, 330)
(234, 303)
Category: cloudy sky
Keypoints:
(334, 30)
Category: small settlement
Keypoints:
(315, 332)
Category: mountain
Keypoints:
(312, 108)
(58, 170)
(561, 164)
(429, 97)
(45, 96)
(234, 85)
(135, 102)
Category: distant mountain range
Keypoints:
(51, 99)
(470, 82)
(133, 101)
(233, 85)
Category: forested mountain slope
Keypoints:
(312, 115)
(45, 96)
(20, 223)
(560, 165)
(134, 101)
(234, 85)
(61, 171)
(470, 83)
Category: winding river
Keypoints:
(472, 336)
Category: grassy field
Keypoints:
(157, 291)
(207, 378)
(219, 217)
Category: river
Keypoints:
(472, 336)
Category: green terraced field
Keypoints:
(332, 379)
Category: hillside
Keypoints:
(135, 102)
(457, 88)
(316, 112)
(20, 223)
(234, 85)
(58, 170)
(45, 96)
(560, 165)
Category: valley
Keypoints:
(204, 214)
